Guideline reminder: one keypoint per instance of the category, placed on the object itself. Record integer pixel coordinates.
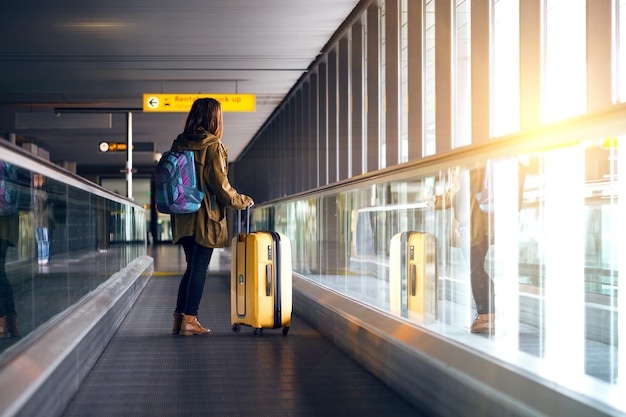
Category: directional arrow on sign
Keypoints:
(153, 102)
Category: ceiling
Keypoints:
(97, 55)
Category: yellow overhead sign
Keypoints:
(182, 102)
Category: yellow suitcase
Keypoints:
(260, 293)
(413, 276)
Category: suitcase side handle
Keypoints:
(413, 281)
(268, 274)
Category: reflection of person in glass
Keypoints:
(40, 207)
(480, 236)
(9, 234)
(472, 234)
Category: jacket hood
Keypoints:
(195, 141)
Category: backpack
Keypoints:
(176, 189)
(8, 188)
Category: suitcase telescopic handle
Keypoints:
(247, 210)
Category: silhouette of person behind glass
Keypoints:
(472, 234)
(9, 235)
(40, 206)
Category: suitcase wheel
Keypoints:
(236, 328)
(285, 331)
(258, 332)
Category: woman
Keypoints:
(200, 232)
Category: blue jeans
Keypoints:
(43, 243)
(192, 283)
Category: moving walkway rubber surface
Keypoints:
(145, 371)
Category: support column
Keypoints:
(415, 45)
(481, 71)
(443, 80)
(600, 44)
(129, 155)
(530, 64)
(392, 84)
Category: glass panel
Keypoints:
(565, 57)
(611, 235)
(505, 113)
(141, 196)
(382, 162)
(57, 243)
(429, 79)
(404, 79)
(462, 75)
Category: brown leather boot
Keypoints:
(3, 327)
(178, 322)
(191, 326)
(11, 325)
(484, 323)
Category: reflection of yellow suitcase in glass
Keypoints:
(413, 276)
(261, 281)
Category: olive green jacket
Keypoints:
(208, 225)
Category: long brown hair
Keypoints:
(205, 114)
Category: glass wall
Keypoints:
(60, 237)
(478, 83)
(532, 237)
